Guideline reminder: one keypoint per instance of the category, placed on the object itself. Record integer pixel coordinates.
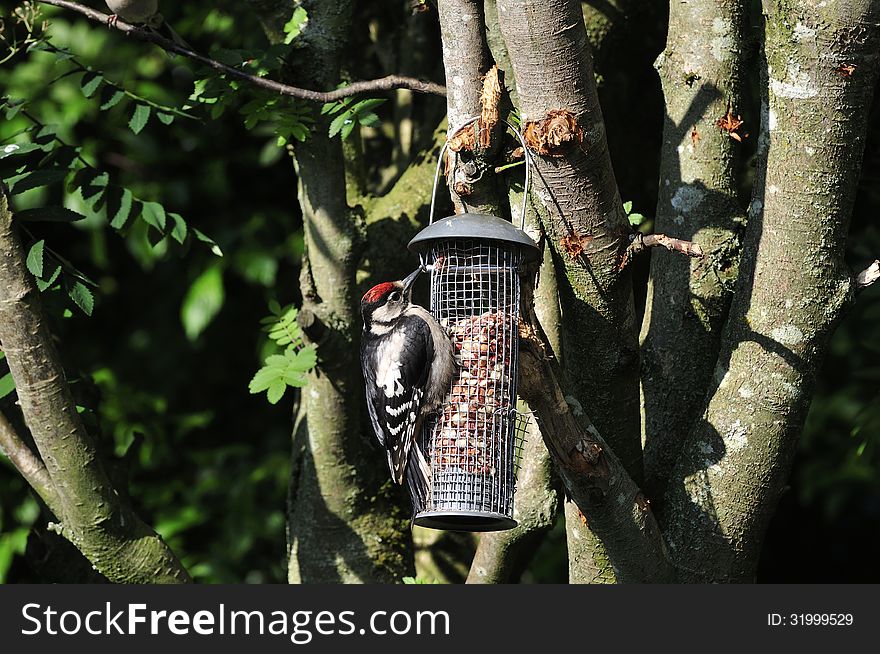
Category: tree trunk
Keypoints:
(702, 72)
(346, 521)
(793, 286)
(584, 219)
(92, 513)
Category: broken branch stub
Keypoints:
(480, 132)
(554, 134)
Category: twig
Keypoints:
(672, 244)
(641, 242)
(869, 275)
(29, 465)
(383, 84)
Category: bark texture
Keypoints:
(93, 515)
(586, 226)
(470, 174)
(792, 287)
(583, 219)
(345, 518)
(702, 70)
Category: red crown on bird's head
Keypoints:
(377, 292)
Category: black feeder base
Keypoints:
(464, 520)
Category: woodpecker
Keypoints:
(408, 364)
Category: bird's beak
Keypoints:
(410, 280)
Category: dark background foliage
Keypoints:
(162, 367)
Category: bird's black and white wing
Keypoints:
(396, 378)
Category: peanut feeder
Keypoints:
(471, 444)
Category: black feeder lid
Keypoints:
(475, 226)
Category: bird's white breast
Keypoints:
(134, 11)
(388, 364)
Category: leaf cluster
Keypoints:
(290, 367)
(349, 113)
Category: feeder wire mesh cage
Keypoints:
(474, 442)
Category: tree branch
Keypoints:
(29, 465)
(468, 63)
(95, 518)
(387, 83)
(583, 219)
(641, 242)
(585, 226)
(702, 70)
(609, 500)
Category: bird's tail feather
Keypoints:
(159, 25)
(418, 478)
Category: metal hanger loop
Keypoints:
(527, 158)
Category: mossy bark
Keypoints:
(702, 70)
(792, 288)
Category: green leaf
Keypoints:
(35, 259)
(49, 215)
(153, 214)
(119, 204)
(43, 284)
(202, 302)
(165, 118)
(339, 122)
(46, 134)
(294, 27)
(139, 118)
(91, 82)
(304, 359)
(636, 219)
(339, 105)
(276, 361)
(207, 239)
(35, 179)
(368, 119)
(82, 297)
(7, 385)
(17, 149)
(178, 232)
(110, 97)
(92, 185)
(627, 206)
(347, 129)
(262, 380)
(276, 391)
(366, 105)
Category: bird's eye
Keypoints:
(394, 297)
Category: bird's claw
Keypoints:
(112, 20)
